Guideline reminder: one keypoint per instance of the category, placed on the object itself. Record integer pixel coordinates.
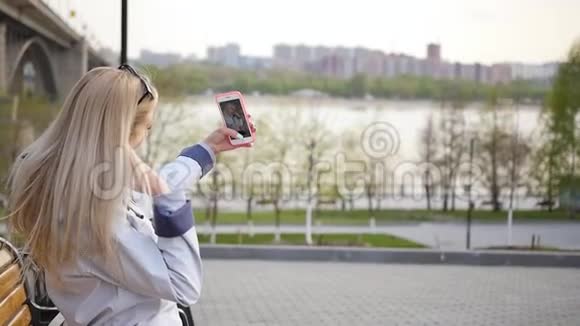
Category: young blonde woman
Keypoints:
(70, 197)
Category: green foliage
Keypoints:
(178, 80)
(185, 79)
(559, 148)
(564, 99)
(358, 86)
(547, 162)
(502, 150)
(33, 114)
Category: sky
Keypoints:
(485, 31)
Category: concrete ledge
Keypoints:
(396, 256)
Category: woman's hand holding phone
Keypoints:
(219, 140)
(234, 115)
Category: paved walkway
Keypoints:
(442, 235)
(295, 293)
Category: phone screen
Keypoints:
(234, 117)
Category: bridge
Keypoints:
(39, 50)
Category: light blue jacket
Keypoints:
(159, 262)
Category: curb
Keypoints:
(391, 256)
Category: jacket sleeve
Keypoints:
(169, 268)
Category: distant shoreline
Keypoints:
(531, 105)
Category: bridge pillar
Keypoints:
(72, 64)
(3, 59)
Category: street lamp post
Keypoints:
(469, 201)
(123, 58)
(310, 203)
(513, 176)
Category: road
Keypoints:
(562, 235)
(316, 293)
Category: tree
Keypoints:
(374, 182)
(314, 141)
(217, 185)
(276, 173)
(212, 207)
(546, 164)
(350, 145)
(564, 104)
(504, 152)
(428, 155)
(452, 148)
(518, 149)
(250, 186)
(22, 119)
(492, 140)
(277, 181)
(358, 86)
(376, 161)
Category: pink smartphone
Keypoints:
(234, 114)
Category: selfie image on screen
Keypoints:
(234, 116)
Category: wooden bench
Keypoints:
(14, 309)
(24, 301)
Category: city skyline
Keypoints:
(343, 62)
(530, 31)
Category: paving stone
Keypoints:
(240, 292)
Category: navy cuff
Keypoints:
(173, 224)
(201, 155)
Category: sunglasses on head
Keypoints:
(148, 91)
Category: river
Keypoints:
(341, 115)
(397, 123)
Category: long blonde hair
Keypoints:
(67, 187)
